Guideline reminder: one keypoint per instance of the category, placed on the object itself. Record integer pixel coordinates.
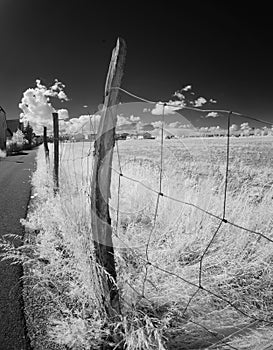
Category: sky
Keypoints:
(222, 49)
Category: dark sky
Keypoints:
(222, 49)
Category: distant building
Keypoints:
(12, 126)
(79, 137)
(7, 128)
(147, 135)
(122, 136)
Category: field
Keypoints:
(186, 278)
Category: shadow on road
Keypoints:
(18, 154)
(10, 157)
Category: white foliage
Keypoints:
(37, 108)
(18, 137)
(3, 154)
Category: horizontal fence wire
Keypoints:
(223, 220)
(160, 195)
(224, 111)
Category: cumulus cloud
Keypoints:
(170, 108)
(134, 119)
(37, 108)
(85, 124)
(63, 114)
(62, 96)
(199, 102)
(188, 97)
(214, 128)
(187, 88)
(121, 120)
(212, 115)
(245, 126)
(179, 95)
(157, 124)
(174, 125)
(146, 110)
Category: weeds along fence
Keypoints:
(192, 225)
(191, 221)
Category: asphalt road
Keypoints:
(15, 175)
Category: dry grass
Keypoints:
(237, 265)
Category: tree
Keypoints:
(265, 131)
(245, 129)
(233, 128)
(28, 134)
(37, 108)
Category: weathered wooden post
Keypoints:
(56, 151)
(46, 145)
(101, 181)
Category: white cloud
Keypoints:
(212, 115)
(214, 128)
(187, 88)
(122, 120)
(174, 125)
(199, 102)
(62, 96)
(146, 110)
(63, 114)
(37, 108)
(157, 124)
(245, 126)
(85, 124)
(179, 95)
(134, 119)
(170, 108)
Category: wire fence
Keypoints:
(76, 168)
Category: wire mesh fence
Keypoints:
(191, 218)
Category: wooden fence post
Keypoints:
(101, 181)
(56, 151)
(46, 145)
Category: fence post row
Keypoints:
(56, 151)
(46, 145)
(101, 181)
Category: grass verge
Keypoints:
(160, 310)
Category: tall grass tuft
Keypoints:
(61, 287)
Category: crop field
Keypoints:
(183, 274)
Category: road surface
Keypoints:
(15, 175)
